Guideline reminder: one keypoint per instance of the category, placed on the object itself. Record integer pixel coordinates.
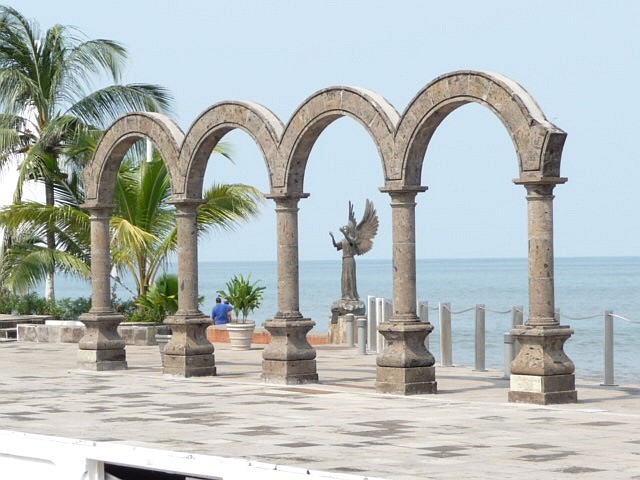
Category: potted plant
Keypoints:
(245, 296)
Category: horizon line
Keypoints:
(563, 257)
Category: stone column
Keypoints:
(289, 358)
(188, 353)
(405, 366)
(101, 348)
(541, 372)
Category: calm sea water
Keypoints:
(584, 287)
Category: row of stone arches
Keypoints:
(402, 141)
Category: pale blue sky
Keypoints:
(579, 60)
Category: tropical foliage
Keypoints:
(162, 298)
(143, 225)
(243, 294)
(144, 231)
(48, 112)
(33, 304)
(50, 121)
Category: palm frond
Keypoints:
(127, 237)
(103, 106)
(228, 205)
(26, 264)
(71, 226)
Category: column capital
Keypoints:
(283, 196)
(286, 201)
(404, 190)
(540, 186)
(99, 209)
(403, 196)
(186, 203)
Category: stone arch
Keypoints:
(538, 142)
(214, 123)
(322, 108)
(100, 174)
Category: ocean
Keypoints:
(585, 287)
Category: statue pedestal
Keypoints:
(338, 324)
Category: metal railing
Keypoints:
(379, 310)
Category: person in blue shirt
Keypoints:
(221, 312)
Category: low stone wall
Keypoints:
(72, 332)
(49, 333)
(12, 321)
(137, 334)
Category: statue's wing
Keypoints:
(367, 229)
(352, 219)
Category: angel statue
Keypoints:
(358, 240)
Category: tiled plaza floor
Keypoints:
(340, 425)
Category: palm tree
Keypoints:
(143, 225)
(46, 104)
(26, 258)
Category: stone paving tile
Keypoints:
(339, 425)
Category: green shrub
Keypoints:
(125, 307)
(142, 314)
(33, 304)
(161, 300)
(8, 301)
(71, 309)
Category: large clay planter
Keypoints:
(240, 335)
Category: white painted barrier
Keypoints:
(30, 456)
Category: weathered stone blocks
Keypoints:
(402, 143)
(189, 353)
(289, 358)
(101, 347)
(406, 380)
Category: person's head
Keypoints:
(226, 301)
(218, 300)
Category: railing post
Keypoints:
(372, 326)
(517, 315)
(379, 320)
(423, 314)
(608, 349)
(387, 310)
(508, 354)
(348, 320)
(480, 338)
(362, 335)
(445, 334)
(517, 318)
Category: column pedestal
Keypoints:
(289, 359)
(189, 353)
(101, 348)
(542, 373)
(405, 367)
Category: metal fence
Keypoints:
(379, 310)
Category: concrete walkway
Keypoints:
(341, 425)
